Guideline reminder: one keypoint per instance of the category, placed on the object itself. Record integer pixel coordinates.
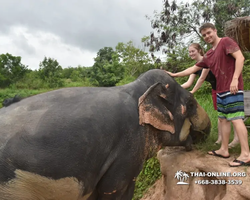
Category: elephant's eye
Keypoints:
(191, 108)
(190, 105)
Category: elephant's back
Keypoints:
(59, 107)
(68, 127)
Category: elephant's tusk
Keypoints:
(185, 130)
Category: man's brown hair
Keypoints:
(207, 25)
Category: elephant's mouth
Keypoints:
(199, 135)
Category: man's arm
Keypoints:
(202, 78)
(186, 72)
(239, 62)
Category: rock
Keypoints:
(207, 168)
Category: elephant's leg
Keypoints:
(119, 181)
(130, 191)
(6, 171)
(126, 194)
(93, 196)
(188, 143)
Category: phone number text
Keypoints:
(219, 182)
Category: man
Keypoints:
(226, 61)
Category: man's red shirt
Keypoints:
(222, 64)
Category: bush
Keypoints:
(126, 80)
(51, 72)
(81, 83)
(33, 84)
(147, 177)
(246, 72)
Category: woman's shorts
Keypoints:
(230, 106)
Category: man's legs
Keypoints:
(231, 108)
(225, 127)
(243, 138)
(218, 141)
(235, 140)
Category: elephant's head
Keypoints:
(172, 109)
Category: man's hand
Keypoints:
(234, 86)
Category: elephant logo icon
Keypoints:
(181, 177)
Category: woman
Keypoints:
(196, 53)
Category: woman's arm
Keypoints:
(189, 81)
(202, 78)
(186, 72)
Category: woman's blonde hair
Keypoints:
(198, 48)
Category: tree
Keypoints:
(66, 72)
(31, 80)
(51, 72)
(107, 70)
(224, 11)
(84, 72)
(75, 75)
(135, 60)
(11, 69)
(178, 59)
(179, 23)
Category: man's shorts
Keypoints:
(230, 106)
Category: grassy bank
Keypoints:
(9, 93)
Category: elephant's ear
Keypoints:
(153, 108)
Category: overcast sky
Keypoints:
(72, 32)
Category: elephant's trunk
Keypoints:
(201, 125)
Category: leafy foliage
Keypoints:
(135, 60)
(178, 60)
(179, 22)
(226, 10)
(107, 71)
(66, 73)
(11, 69)
(31, 80)
(246, 71)
(51, 72)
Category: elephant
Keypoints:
(9, 101)
(91, 142)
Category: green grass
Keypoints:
(82, 83)
(26, 92)
(9, 93)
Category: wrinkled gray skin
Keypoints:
(94, 134)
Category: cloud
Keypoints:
(71, 31)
